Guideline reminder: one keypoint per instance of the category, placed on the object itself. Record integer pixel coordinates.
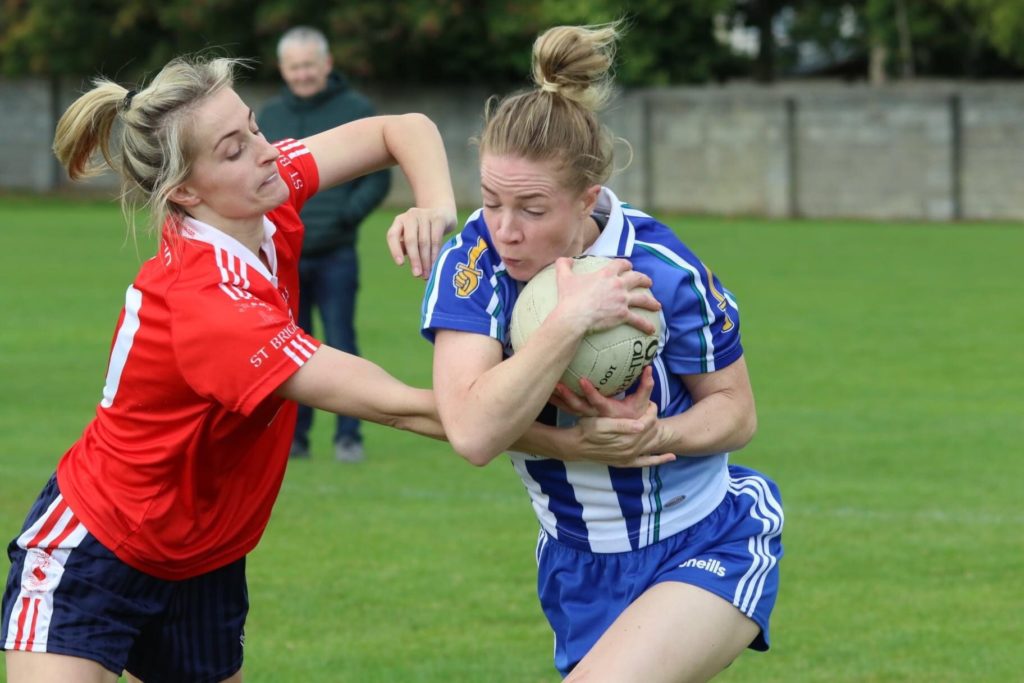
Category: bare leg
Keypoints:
(46, 667)
(673, 633)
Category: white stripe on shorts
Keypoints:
(48, 544)
(768, 511)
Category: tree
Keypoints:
(488, 41)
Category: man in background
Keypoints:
(317, 97)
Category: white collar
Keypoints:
(618, 235)
(204, 232)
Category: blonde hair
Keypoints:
(144, 136)
(557, 120)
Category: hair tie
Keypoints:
(126, 104)
(548, 86)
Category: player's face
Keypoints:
(234, 176)
(304, 68)
(532, 218)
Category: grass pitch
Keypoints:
(887, 367)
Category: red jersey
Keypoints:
(179, 470)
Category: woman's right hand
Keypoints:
(604, 298)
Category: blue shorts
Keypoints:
(733, 552)
(67, 594)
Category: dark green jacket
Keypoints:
(332, 216)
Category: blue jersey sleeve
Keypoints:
(701, 315)
(704, 325)
(468, 289)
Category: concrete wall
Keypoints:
(929, 151)
(26, 135)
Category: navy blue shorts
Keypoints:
(733, 552)
(67, 594)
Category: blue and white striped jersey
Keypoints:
(588, 505)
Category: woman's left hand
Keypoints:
(417, 234)
(621, 442)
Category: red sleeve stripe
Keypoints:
(287, 144)
(299, 350)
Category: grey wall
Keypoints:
(930, 151)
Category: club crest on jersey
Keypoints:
(467, 275)
(723, 303)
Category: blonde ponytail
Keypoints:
(142, 136)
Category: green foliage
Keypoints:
(402, 41)
(121, 38)
(664, 42)
(1000, 22)
(886, 363)
(967, 38)
(488, 41)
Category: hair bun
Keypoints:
(575, 62)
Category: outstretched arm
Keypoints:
(341, 383)
(413, 142)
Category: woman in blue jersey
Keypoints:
(658, 573)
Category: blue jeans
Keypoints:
(329, 282)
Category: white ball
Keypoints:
(612, 359)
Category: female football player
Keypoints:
(133, 557)
(665, 573)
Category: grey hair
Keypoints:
(303, 34)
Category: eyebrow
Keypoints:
(234, 132)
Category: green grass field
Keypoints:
(887, 364)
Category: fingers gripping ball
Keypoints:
(612, 359)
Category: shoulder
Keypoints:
(473, 242)
(657, 244)
(298, 169)
(468, 262)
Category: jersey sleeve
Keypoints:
(703, 323)
(465, 291)
(236, 350)
(299, 170)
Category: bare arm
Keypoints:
(413, 142)
(723, 416)
(487, 403)
(341, 383)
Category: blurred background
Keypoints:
(815, 108)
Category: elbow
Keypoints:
(473, 449)
(745, 430)
(421, 122)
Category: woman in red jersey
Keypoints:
(133, 556)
